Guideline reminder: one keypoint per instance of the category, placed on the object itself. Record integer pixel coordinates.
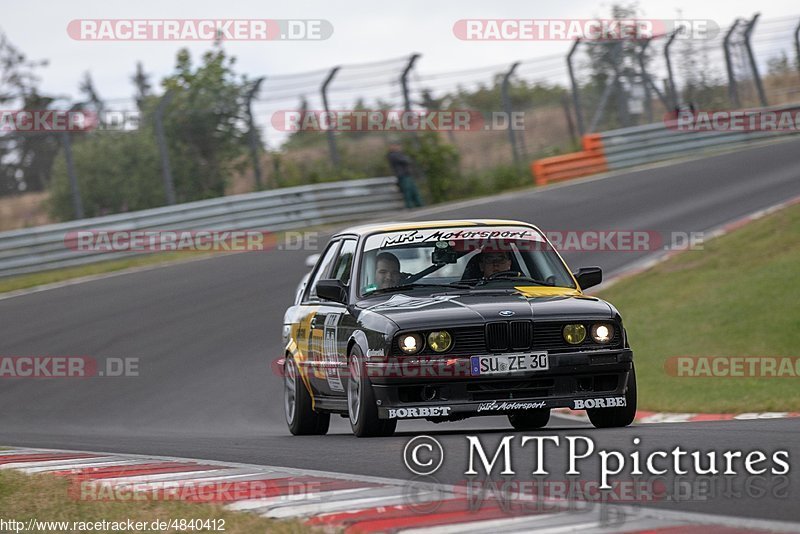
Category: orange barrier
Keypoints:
(590, 160)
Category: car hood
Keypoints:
(455, 309)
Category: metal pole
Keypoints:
(404, 80)
(568, 115)
(253, 133)
(576, 101)
(762, 97)
(612, 84)
(330, 133)
(648, 104)
(404, 86)
(166, 169)
(507, 109)
(732, 89)
(650, 84)
(673, 94)
(797, 44)
(77, 203)
(622, 96)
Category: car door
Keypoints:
(310, 328)
(339, 322)
(329, 328)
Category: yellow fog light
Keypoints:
(410, 343)
(574, 333)
(602, 333)
(440, 341)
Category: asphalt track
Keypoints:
(205, 332)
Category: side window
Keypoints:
(323, 270)
(344, 263)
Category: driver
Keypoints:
(494, 262)
(387, 270)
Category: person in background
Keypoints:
(401, 166)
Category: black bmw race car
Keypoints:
(445, 320)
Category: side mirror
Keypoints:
(589, 276)
(334, 290)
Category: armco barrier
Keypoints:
(638, 145)
(43, 248)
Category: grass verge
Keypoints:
(738, 296)
(45, 497)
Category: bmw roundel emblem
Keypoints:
(506, 313)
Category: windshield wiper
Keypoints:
(402, 287)
(511, 276)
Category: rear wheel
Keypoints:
(618, 416)
(300, 416)
(529, 420)
(361, 404)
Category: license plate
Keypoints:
(501, 364)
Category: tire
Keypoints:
(361, 407)
(300, 416)
(530, 420)
(617, 417)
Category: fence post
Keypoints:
(253, 133)
(507, 109)
(404, 86)
(166, 169)
(733, 92)
(797, 44)
(649, 84)
(77, 202)
(762, 97)
(673, 94)
(609, 88)
(576, 101)
(329, 132)
(568, 115)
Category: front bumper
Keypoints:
(579, 376)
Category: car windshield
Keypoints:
(468, 257)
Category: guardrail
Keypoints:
(43, 248)
(638, 145)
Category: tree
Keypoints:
(26, 158)
(205, 124)
(205, 130)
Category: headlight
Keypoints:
(574, 333)
(602, 332)
(410, 343)
(440, 341)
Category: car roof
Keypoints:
(396, 226)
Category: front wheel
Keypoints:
(361, 404)
(530, 420)
(300, 416)
(618, 416)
